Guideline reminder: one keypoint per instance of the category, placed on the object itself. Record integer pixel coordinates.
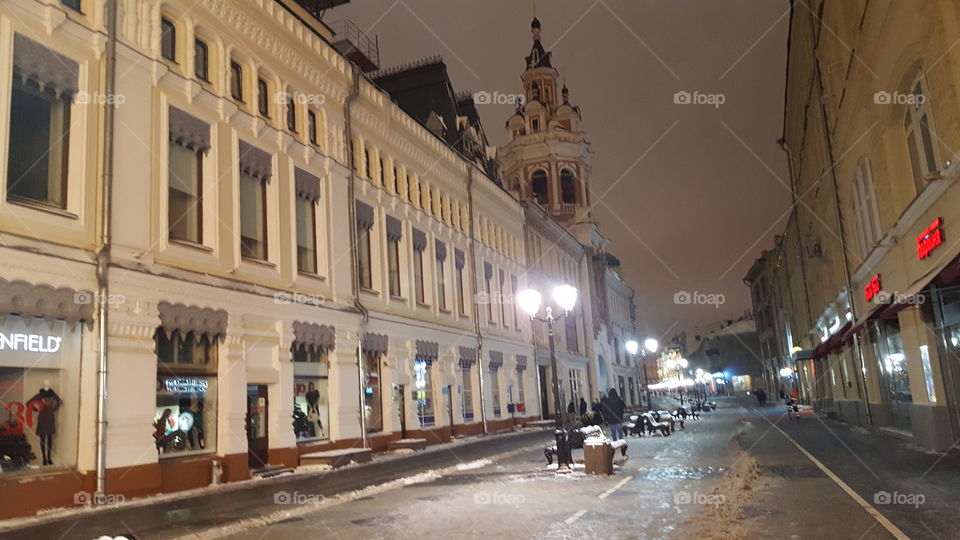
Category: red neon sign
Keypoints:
(872, 288)
(930, 239)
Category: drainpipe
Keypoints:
(828, 140)
(476, 307)
(103, 252)
(352, 216)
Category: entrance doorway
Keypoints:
(258, 442)
(544, 406)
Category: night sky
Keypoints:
(689, 195)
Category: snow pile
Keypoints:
(473, 465)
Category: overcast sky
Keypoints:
(689, 195)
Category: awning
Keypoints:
(199, 320)
(496, 360)
(521, 362)
(375, 344)
(803, 354)
(308, 185)
(468, 357)
(427, 351)
(309, 336)
(833, 342)
(30, 301)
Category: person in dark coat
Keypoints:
(571, 408)
(583, 406)
(612, 408)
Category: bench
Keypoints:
(407, 444)
(337, 458)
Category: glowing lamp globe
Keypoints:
(529, 301)
(651, 345)
(632, 346)
(565, 296)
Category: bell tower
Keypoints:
(547, 158)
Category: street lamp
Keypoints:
(566, 298)
(678, 366)
(651, 345)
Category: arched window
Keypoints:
(568, 187)
(869, 229)
(918, 124)
(539, 187)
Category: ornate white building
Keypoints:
(288, 262)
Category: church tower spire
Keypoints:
(547, 158)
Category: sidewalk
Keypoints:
(177, 514)
(914, 487)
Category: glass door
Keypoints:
(258, 444)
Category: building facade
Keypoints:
(287, 261)
(865, 273)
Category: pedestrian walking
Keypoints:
(583, 406)
(612, 408)
(571, 408)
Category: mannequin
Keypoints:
(313, 410)
(47, 402)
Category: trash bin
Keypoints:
(598, 456)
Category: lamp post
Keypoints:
(650, 345)
(679, 366)
(566, 298)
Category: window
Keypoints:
(73, 4)
(372, 394)
(918, 124)
(38, 145)
(168, 39)
(381, 174)
(487, 289)
(312, 126)
(201, 60)
(520, 393)
(311, 404)
(185, 417)
(367, 164)
(633, 391)
(466, 397)
(424, 389)
(495, 391)
(253, 222)
(502, 302)
(441, 275)
(461, 294)
(393, 265)
(185, 188)
(865, 208)
(576, 385)
(418, 276)
(291, 113)
(568, 187)
(40, 396)
(263, 98)
(513, 300)
(539, 187)
(573, 344)
(236, 81)
(306, 235)
(535, 125)
(364, 267)
(616, 350)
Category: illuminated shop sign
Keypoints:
(872, 288)
(37, 343)
(185, 385)
(930, 239)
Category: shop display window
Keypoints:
(311, 404)
(39, 392)
(185, 416)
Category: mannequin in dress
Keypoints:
(46, 402)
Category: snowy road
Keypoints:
(737, 473)
(730, 475)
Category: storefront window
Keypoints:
(422, 370)
(467, 395)
(893, 366)
(495, 390)
(311, 406)
(185, 415)
(39, 392)
(372, 394)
